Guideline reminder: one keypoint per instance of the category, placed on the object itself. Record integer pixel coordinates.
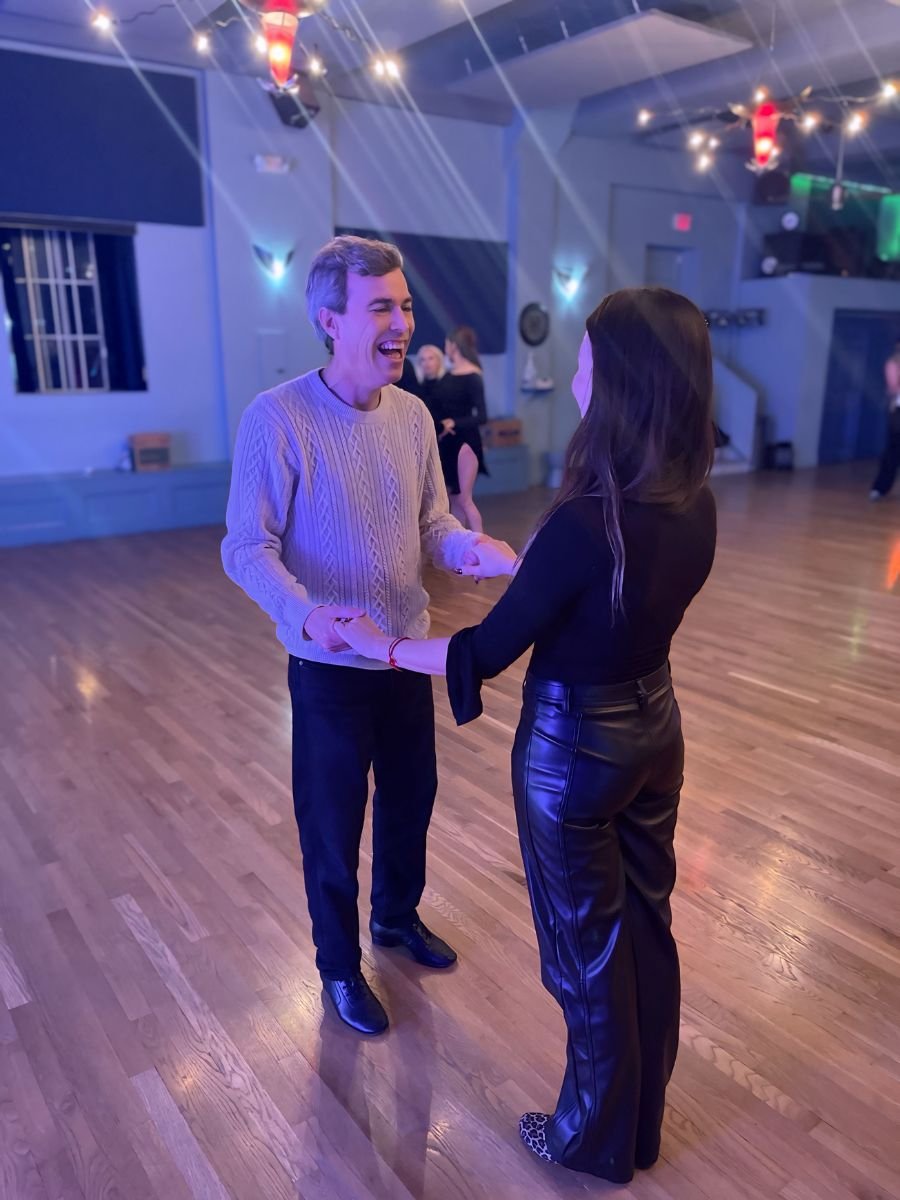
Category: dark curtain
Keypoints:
(121, 314)
(26, 375)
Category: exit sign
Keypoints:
(682, 222)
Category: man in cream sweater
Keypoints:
(336, 494)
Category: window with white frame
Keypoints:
(60, 292)
(73, 317)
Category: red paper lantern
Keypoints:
(765, 131)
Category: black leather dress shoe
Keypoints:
(425, 947)
(356, 1004)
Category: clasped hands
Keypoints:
(337, 627)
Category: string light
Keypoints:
(644, 117)
(696, 140)
(275, 39)
(810, 122)
(704, 162)
(856, 123)
(386, 68)
(760, 94)
(889, 90)
(713, 143)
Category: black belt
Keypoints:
(573, 696)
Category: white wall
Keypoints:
(265, 334)
(787, 359)
(592, 207)
(43, 434)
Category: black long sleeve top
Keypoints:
(560, 600)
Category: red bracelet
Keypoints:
(394, 644)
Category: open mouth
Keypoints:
(393, 351)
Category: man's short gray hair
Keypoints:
(326, 285)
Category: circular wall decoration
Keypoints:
(534, 324)
(790, 221)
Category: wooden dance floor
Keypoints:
(161, 1027)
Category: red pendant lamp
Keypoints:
(280, 20)
(765, 130)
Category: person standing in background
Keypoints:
(431, 370)
(890, 458)
(459, 410)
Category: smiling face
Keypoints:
(583, 379)
(372, 335)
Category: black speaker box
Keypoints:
(298, 105)
(772, 187)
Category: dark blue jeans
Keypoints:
(346, 721)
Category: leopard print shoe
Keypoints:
(533, 1132)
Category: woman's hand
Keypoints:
(489, 558)
(449, 427)
(363, 635)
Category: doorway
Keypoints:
(669, 267)
(853, 416)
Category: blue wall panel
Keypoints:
(60, 508)
(79, 139)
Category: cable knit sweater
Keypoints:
(332, 505)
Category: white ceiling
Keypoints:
(394, 24)
(654, 59)
(613, 56)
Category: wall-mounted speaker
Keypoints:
(772, 187)
(296, 106)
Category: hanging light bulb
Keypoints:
(704, 162)
(888, 90)
(202, 43)
(644, 117)
(696, 140)
(102, 21)
(386, 67)
(810, 122)
(760, 94)
(856, 123)
(713, 143)
(315, 65)
(260, 44)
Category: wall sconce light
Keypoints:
(275, 266)
(568, 282)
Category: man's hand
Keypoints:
(322, 629)
(367, 639)
(488, 558)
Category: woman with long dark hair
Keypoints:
(458, 407)
(597, 762)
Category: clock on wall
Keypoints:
(534, 324)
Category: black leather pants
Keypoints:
(597, 773)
